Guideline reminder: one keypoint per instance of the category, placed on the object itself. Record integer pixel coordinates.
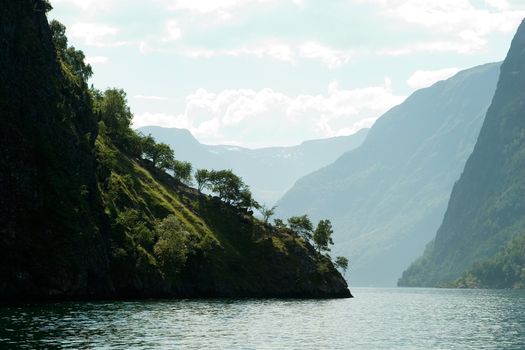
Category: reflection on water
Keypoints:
(375, 319)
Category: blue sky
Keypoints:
(260, 73)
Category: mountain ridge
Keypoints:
(270, 171)
(486, 207)
(388, 196)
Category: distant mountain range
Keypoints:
(485, 220)
(387, 198)
(270, 172)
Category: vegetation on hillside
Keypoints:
(119, 219)
(505, 270)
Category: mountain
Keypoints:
(505, 270)
(269, 171)
(486, 208)
(387, 198)
(187, 147)
(85, 215)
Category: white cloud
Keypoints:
(97, 60)
(173, 31)
(328, 56)
(209, 12)
(88, 4)
(216, 6)
(332, 58)
(206, 6)
(149, 97)
(146, 48)
(267, 117)
(425, 78)
(467, 25)
(458, 46)
(95, 34)
(277, 51)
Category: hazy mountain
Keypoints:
(487, 206)
(270, 172)
(387, 198)
(186, 147)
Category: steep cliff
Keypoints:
(52, 224)
(486, 208)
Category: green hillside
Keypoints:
(88, 211)
(229, 252)
(505, 270)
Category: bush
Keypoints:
(174, 244)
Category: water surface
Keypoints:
(394, 318)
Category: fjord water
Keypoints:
(394, 318)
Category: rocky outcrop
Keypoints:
(51, 239)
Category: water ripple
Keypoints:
(376, 319)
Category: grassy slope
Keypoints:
(237, 254)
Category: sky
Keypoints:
(258, 73)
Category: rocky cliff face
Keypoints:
(486, 208)
(49, 207)
(61, 235)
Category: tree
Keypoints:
(341, 263)
(135, 143)
(301, 225)
(246, 199)
(182, 171)
(148, 147)
(280, 225)
(45, 6)
(323, 236)
(267, 212)
(202, 176)
(174, 243)
(113, 110)
(226, 185)
(229, 187)
(133, 223)
(58, 36)
(165, 157)
(160, 154)
(73, 60)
